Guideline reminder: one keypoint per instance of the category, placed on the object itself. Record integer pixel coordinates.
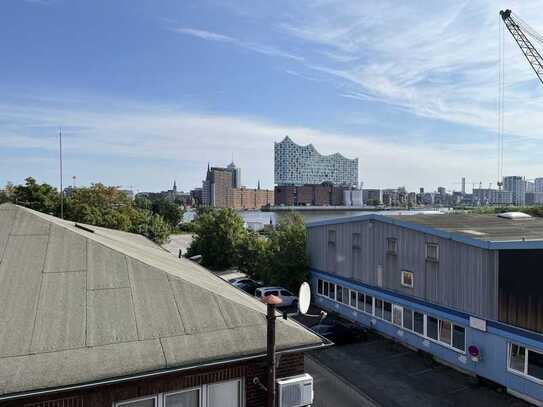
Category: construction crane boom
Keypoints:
(520, 32)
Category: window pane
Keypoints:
(353, 298)
(407, 278)
(387, 311)
(185, 399)
(459, 338)
(445, 333)
(517, 358)
(224, 394)
(319, 286)
(139, 403)
(378, 308)
(356, 239)
(397, 315)
(418, 322)
(361, 301)
(332, 291)
(345, 295)
(369, 304)
(408, 319)
(339, 293)
(535, 364)
(431, 327)
(325, 288)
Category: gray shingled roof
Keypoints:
(78, 307)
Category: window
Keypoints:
(397, 315)
(332, 291)
(319, 286)
(459, 338)
(361, 301)
(325, 289)
(445, 332)
(517, 358)
(387, 311)
(339, 293)
(353, 298)
(392, 245)
(535, 364)
(378, 308)
(225, 394)
(418, 322)
(408, 319)
(144, 402)
(432, 251)
(332, 237)
(356, 240)
(190, 398)
(407, 279)
(286, 293)
(369, 304)
(431, 327)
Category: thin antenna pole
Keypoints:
(61, 186)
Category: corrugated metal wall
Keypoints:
(465, 277)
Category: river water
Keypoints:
(310, 216)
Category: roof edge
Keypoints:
(155, 373)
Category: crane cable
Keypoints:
(500, 100)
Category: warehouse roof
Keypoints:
(82, 304)
(486, 231)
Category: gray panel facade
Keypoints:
(464, 277)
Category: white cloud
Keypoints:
(175, 144)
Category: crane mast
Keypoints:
(518, 30)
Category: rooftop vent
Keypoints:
(514, 215)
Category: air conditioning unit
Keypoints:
(295, 391)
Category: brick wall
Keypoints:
(106, 395)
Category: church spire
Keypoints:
(258, 184)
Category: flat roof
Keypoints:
(486, 231)
(81, 305)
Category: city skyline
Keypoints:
(175, 87)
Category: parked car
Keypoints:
(286, 296)
(340, 333)
(246, 284)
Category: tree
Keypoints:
(288, 260)
(219, 233)
(152, 226)
(253, 256)
(40, 197)
(171, 212)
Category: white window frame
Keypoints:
(400, 308)
(201, 399)
(241, 389)
(407, 272)
(437, 251)
(155, 397)
(524, 374)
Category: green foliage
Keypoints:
(253, 256)
(40, 197)
(279, 259)
(171, 212)
(536, 211)
(218, 235)
(288, 260)
(97, 205)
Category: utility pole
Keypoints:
(271, 301)
(61, 186)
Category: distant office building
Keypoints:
(222, 189)
(534, 198)
(309, 195)
(538, 182)
(372, 196)
(488, 196)
(517, 186)
(353, 197)
(530, 186)
(463, 185)
(303, 165)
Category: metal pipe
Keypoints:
(270, 317)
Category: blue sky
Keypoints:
(150, 91)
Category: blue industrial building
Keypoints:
(465, 288)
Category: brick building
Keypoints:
(97, 317)
(309, 195)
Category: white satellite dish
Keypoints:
(304, 298)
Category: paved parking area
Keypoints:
(392, 375)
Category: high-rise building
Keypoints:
(538, 184)
(301, 165)
(236, 174)
(463, 185)
(517, 185)
(488, 196)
